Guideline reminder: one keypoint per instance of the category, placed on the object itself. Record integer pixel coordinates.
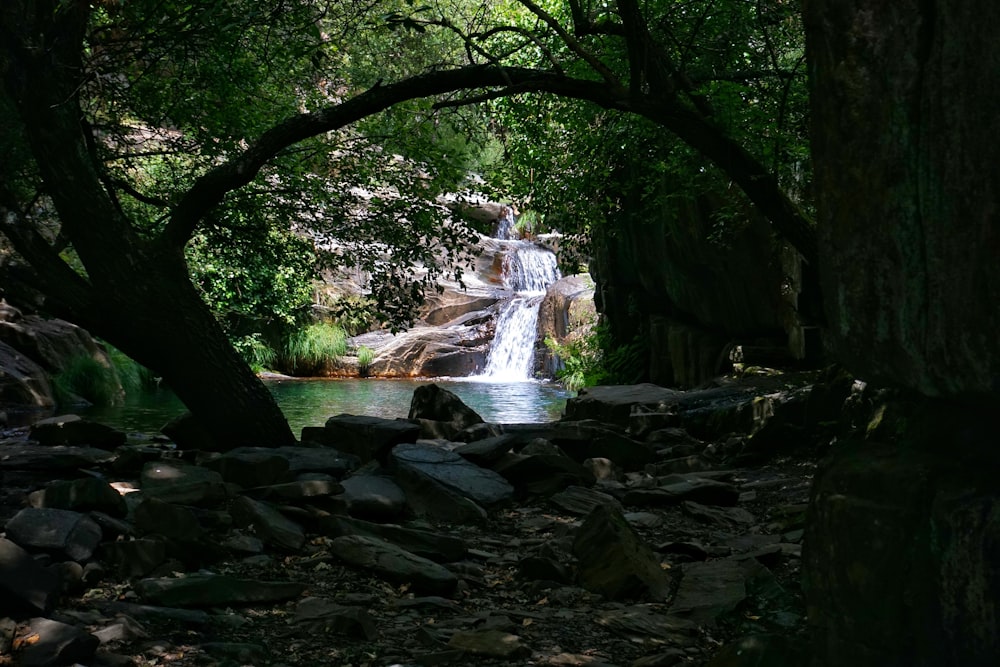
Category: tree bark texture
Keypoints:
(904, 102)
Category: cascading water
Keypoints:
(528, 269)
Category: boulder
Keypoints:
(26, 588)
(80, 495)
(374, 497)
(268, 523)
(45, 642)
(457, 350)
(582, 440)
(581, 501)
(53, 459)
(714, 588)
(567, 309)
(434, 403)
(490, 644)
(486, 451)
(328, 616)
(135, 558)
(74, 431)
(613, 559)
(23, 383)
(676, 491)
(614, 404)
(543, 474)
(156, 517)
(250, 466)
(69, 534)
(482, 486)
(395, 564)
(317, 460)
(368, 438)
(298, 490)
(176, 482)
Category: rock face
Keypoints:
(567, 309)
(659, 275)
(23, 383)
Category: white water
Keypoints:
(528, 270)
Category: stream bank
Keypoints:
(647, 527)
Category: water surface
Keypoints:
(309, 402)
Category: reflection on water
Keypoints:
(310, 402)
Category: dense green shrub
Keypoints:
(308, 349)
(86, 377)
(366, 356)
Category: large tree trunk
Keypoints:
(903, 536)
(137, 293)
(905, 101)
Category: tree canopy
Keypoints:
(146, 131)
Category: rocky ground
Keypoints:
(647, 528)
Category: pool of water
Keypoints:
(310, 402)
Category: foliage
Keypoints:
(313, 346)
(592, 357)
(366, 356)
(255, 351)
(133, 376)
(87, 378)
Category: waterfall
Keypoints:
(528, 270)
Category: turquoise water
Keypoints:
(309, 402)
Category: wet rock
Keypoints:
(44, 643)
(434, 403)
(328, 616)
(580, 500)
(395, 564)
(80, 495)
(368, 438)
(487, 451)
(268, 523)
(613, 559)
(424, 543)
(70, 534)
(250, 466)
(8, 627)
(491, 643)
(482, 486)
(25, 586)
(704, 491)
(724, 517)
(74, 431)
(209, 590)
(181, 483)
(714, 588)
(374, 497)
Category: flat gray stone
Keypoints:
(176, 482)
(482, 486)
(394, 564)
(581, 500)
(704, 491)
(154, 516)
(47, 642)
(25, 586)
(297, 490)
(69, 533)
(209, 590)
(487, 451)
(268, 523)
(490, 643)
(374, 497)
(328, 616)
(368, 438)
